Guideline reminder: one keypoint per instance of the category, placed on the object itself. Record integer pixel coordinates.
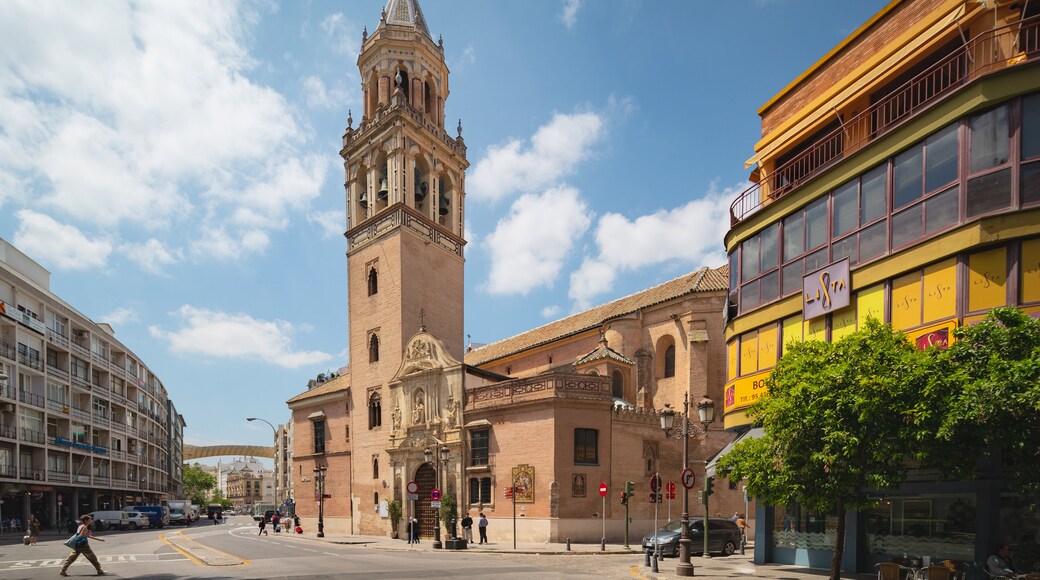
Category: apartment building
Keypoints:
(899, 178)
(84, 423)
(283, 442)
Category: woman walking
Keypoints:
(263, 525)
(83, 534)
(34, 529)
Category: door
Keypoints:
(426, 479)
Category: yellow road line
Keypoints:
(182, 552)
(243, 560)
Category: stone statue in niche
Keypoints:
(418, 412)
(452, 410)
(397, 418)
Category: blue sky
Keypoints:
(175, 165)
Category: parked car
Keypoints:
(107, 520)
(158, 516)
(723, 537)
(268, 515)
(136, 520)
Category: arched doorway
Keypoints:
(426, 479)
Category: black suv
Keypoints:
(723, 537)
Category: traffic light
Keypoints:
(624, 498)
(629, 487)
(709, 485)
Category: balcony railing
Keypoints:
(60, 373)
(31, 473)
(102, 480)
(57, 406)
(7, 431)
(9, 392)
(990, 51)
(57, 338)
(58, 476)
(33, 436)
(31, 361)
(80, 382)
(8, 471)
(7, 351)
(32, 398)
(80, 414)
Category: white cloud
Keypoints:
(57, 245)
(321, 97)
(569, 13)
(332, 222)
(151, 256)
(144, 115)
(551, 311)
(529, 245)
(218, 244)
(554, 151)
(342, 34)
(120, 316)
(690, 234)
(466, 58)
(238, 336)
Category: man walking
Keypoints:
(467, 528)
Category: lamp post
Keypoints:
(430, 455)
(277, 498)
(319, 477)
(706, 410)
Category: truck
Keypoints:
(180, 511)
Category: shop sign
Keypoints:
(826, 290)
(745, 390)
(938, 335)
(41, 488)
(76, 444)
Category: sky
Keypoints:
(175, 165)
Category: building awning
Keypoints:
(316, 415)
(753, 433)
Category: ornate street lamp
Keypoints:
(319, 477)
(706, 410)
(430, 456)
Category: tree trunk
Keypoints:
(839, 543)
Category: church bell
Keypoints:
(383, 191)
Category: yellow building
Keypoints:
(898, 177)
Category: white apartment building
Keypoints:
(84, 423)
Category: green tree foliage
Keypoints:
(838, 420)
(197, 483)
(393, 509)
(218, 497)
(985, 395)
(448, 509)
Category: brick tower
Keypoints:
(405, 200)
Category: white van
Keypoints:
(105, 520)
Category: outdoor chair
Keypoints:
(939, 573)
(889, 571)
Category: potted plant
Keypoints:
(448, 512)
(394, 511)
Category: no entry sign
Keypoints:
(603, 489)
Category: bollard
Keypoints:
(742, 542)
(654, 567)
(568, 544)
(646, 561)
(603, 545)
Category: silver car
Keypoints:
(723, 537)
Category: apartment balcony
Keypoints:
(102, 480)
(80, 346)
(117, 454)
(30, 473)
(57, 372)
(100, 420)
(80, 382)
(9, 392)
(997, 49)
(58, 406)
(32, 399)
(57, 338)
(117, 370)
(76, 478)
(8, 471)
(58, 476)
(99, 359)
(80, 414)
(118, 426)
(31, 361)
(32, 436)
(8, 432)
(7, 351)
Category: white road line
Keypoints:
(334, 554)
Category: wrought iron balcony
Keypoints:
(997, 49)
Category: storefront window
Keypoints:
(796, 527)
(941, 526)
(1020, 527)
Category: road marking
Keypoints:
(334, 554)
(195, 560)
(208, 547)
(116, 559)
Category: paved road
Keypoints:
(232, 550)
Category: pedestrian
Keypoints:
(1000, 564)
(82, 537)
(263, 526)
(743, 525)
(409, 528)
(734, 517)
(276, 520)
(482, 526)
(467, 528)
(34, 529)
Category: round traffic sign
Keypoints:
(688, 478)
(655, 483)
(670, 487)
(413, 487)
(603, 489)
(435, 495)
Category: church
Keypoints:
(525, 430)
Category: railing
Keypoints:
(31, 473)
(80, 414)
(58, 476)
(9, 392)
(8, 432)
(32, 398)
(33, 436)
(31, 361)
(60, 373)
(7, 351)
(100, 419)
(80, 382)
(119, 425)
(117, 454)
(57, 338)
(100, 359)
(102, 480)
(117, 370)
(8, 471)
(80, 346)
(57, 406)
(990, 51)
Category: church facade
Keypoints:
(531, 425)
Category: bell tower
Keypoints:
(405, 201)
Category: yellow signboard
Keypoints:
(870, 303)
(843, 322)
(745, 390)
(816, 329)
(987, 279)
(767, 347)
(939, 335)
(792, 329)
(749, 352)
(1031, 271)
(906, 301)
(940, 290)
(732, 350)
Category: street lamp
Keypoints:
(442, 455)
(445, 456)
(277, 498)
(706, 410)
(319, 477)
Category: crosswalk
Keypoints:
(116, 559)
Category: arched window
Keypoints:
(375, 411)
(617, 385)
(373, 348)
(669, 361)
(373, 282)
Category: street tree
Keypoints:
(838, 419)
(985, 393)
(197, 483)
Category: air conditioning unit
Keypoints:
(7, 407)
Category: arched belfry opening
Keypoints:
(421, 185)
